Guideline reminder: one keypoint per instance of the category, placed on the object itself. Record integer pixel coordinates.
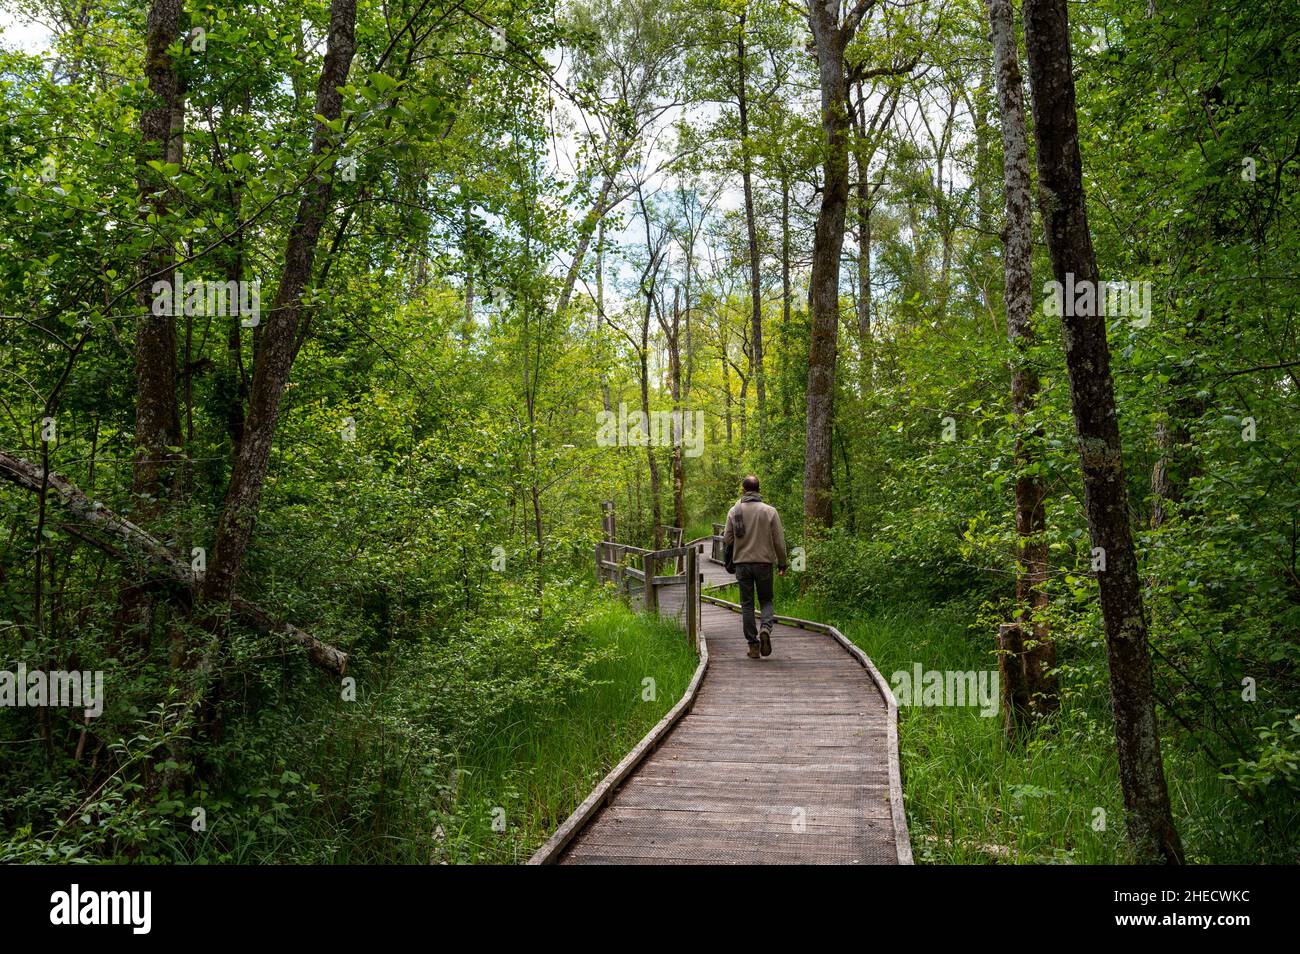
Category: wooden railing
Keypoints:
(637, 575)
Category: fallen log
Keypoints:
(140, 543)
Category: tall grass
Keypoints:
(698, 528)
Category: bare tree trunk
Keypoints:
(786, 286)
(600, 308)
(1173, 469)
(751, 231)
(1060, 172)
(686, 295)
(648, 286)
(1031, 524)
(655, 508)
(1161, 485)
(726, 387)
(279, 343)
(585, 230)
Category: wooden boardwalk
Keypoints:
(791, 759)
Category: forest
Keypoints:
(336, 335)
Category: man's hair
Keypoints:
(750, 484)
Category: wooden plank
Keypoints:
(671, 553)
(872, 847)
(757, 822)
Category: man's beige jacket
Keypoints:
(764, 537)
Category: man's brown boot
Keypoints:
(753, 650)
(765, 641)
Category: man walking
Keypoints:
(753, 542)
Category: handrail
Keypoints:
(715, 543)
(669, 554)
(625, 547)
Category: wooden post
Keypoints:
(692, 597)
(607, 520)
(651, 601)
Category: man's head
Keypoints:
(750, 484)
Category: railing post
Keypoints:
(692, 597)
(651, 601)
(607, 519)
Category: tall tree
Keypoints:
(831, 38)
(628, 69)
(1151, 828)
(868, 135)
(1031, 522)
(751, 223)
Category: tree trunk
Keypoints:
(726, 388)
(828, 242)
(675, 381)
(866, 373)
(655, 509)
(279, 343)
(751, 231)
(585, 230)
(1092, 394)
(1174, 469)
(157, 419)
(786, 286)
(1031, 524)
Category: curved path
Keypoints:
(788, 759)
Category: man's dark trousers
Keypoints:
(753, 576)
